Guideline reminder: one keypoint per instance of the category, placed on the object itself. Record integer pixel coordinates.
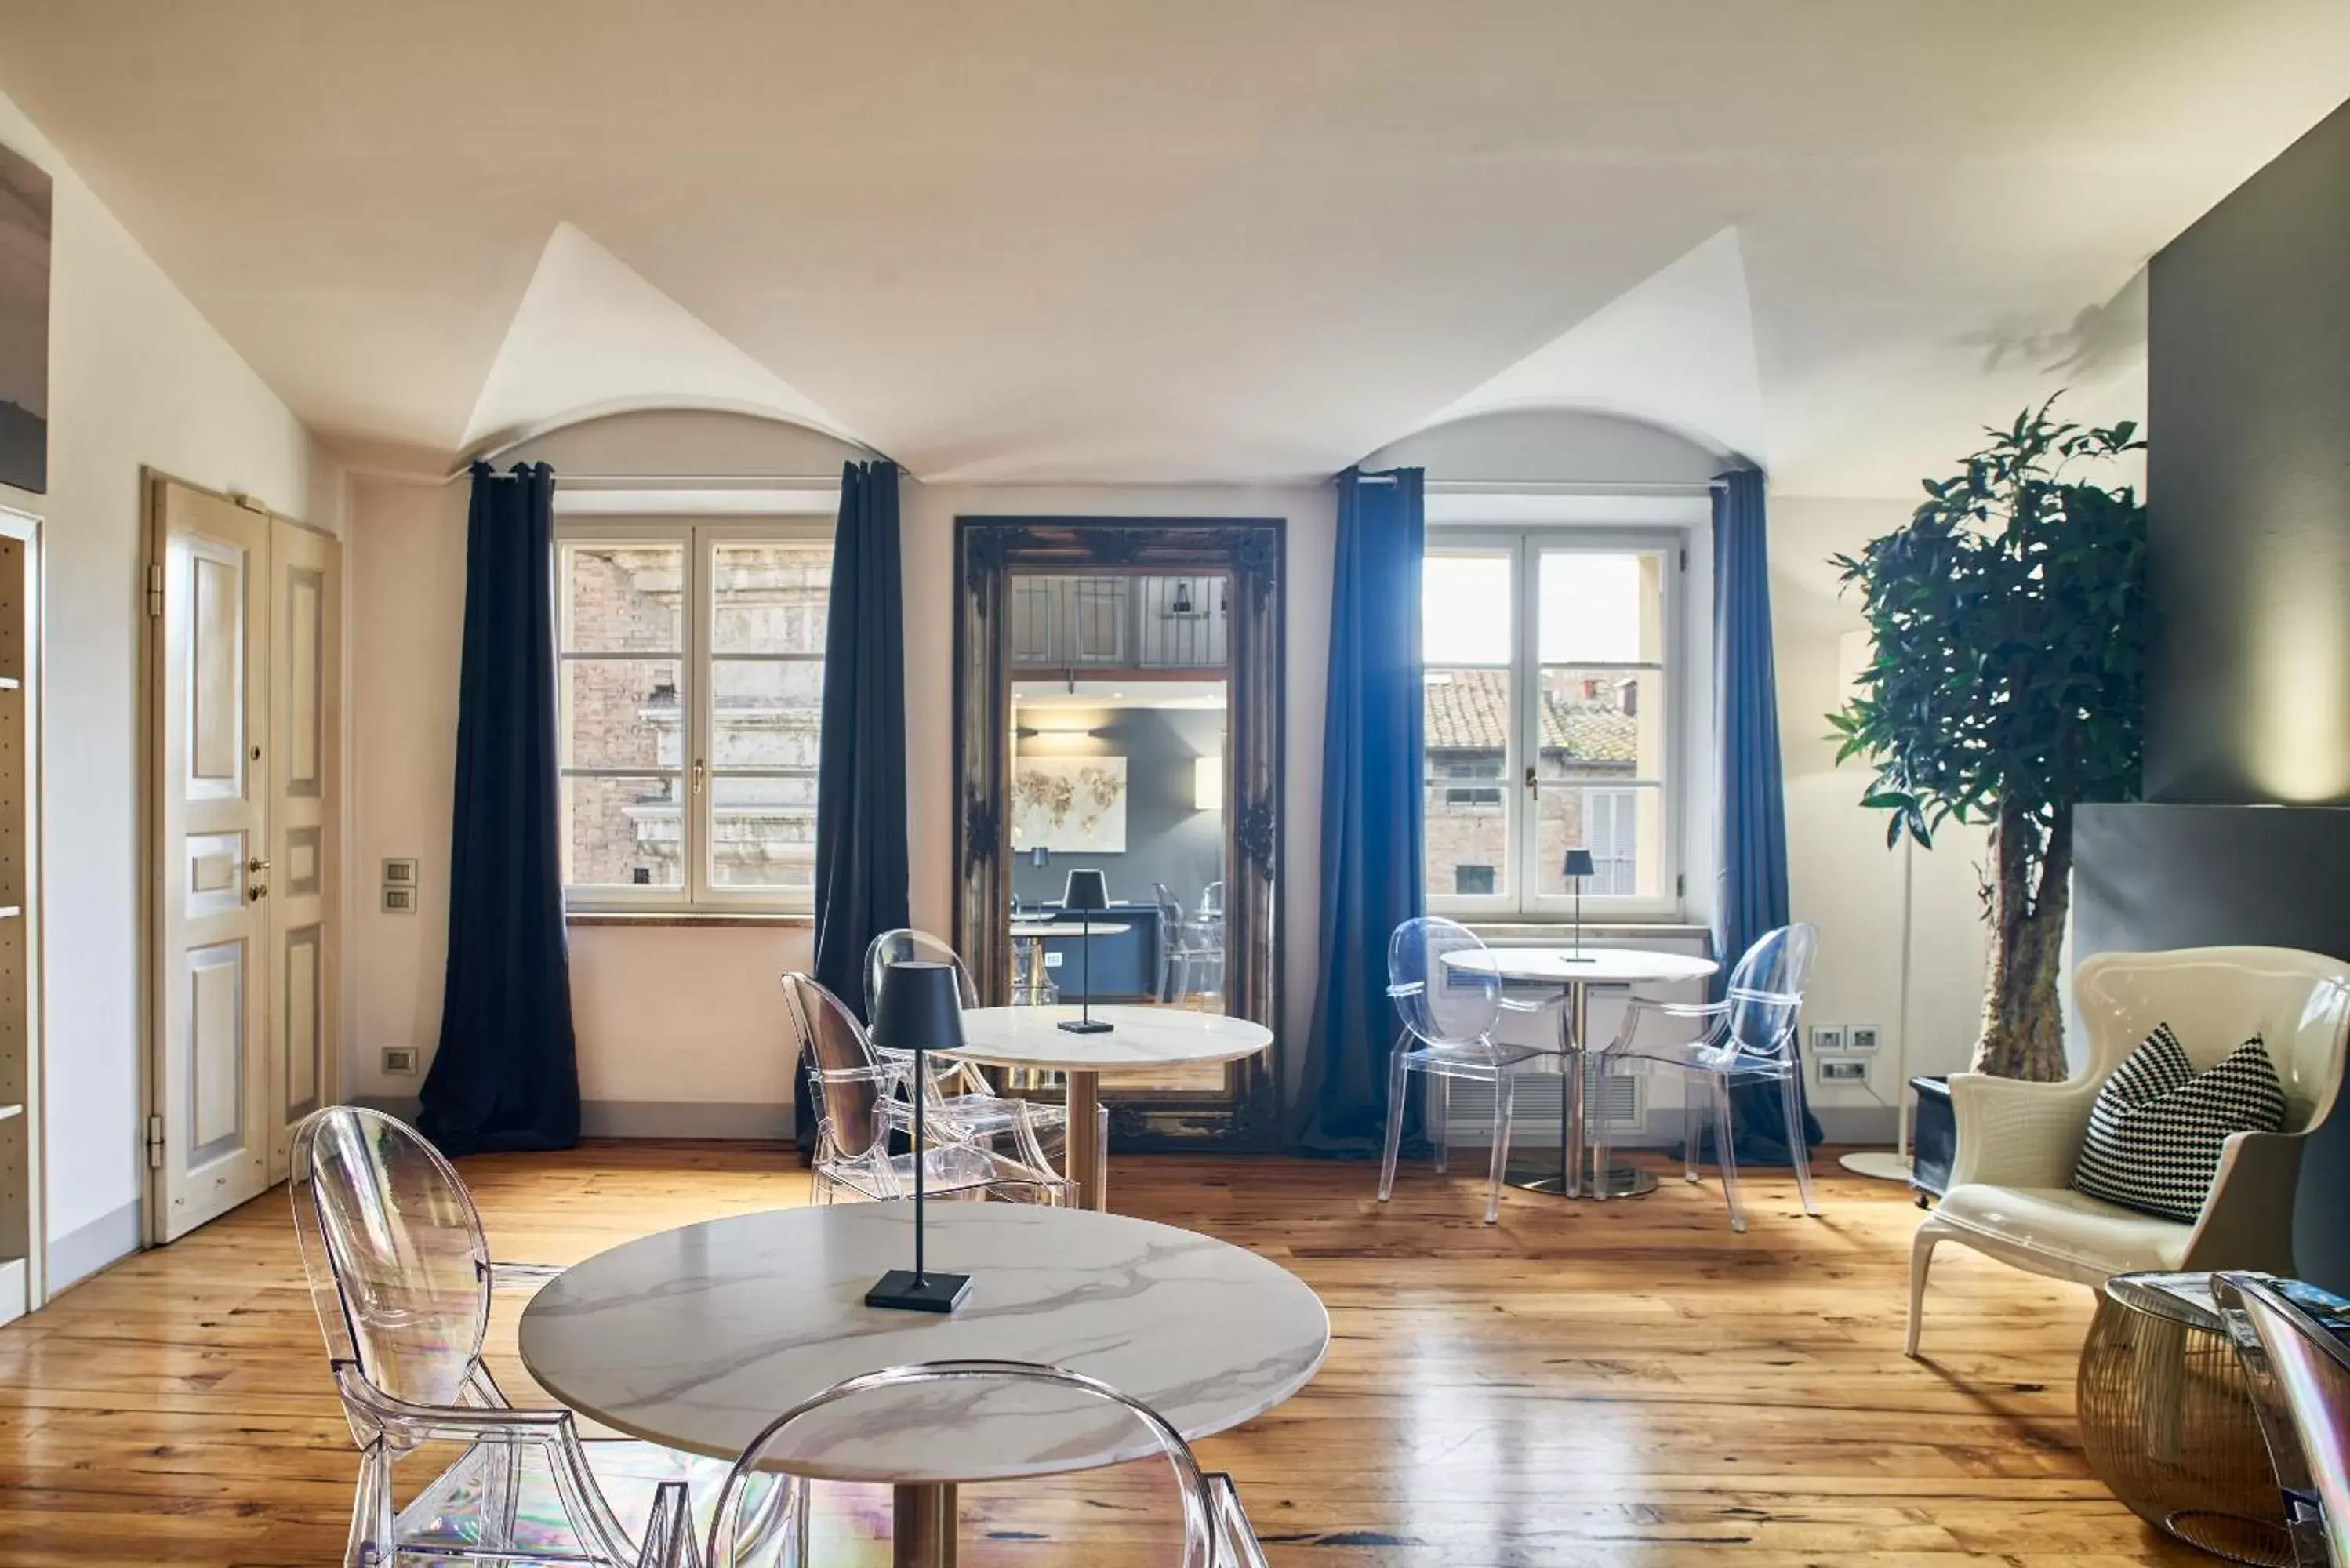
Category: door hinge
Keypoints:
(1680, 885)
(154, 1143)
(1684, 558)
(251, 503)
(155, 587)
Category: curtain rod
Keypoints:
(672, 481)
(1573, 486)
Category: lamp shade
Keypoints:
(1087, 891)
(921, 1008)
(1578, 864)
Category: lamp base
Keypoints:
(902, 1290)
(1878, 1163)
(1084, 1026)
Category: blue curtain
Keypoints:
(860, 811)
(1750, 891)
(507, 1076)
(1371, 804)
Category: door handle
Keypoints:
(257, 864)
(257, 891)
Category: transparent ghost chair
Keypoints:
(401, 1277)
(1190, 951)
(857, 1091)
(1012, 1419)
(1749, 1037)
(1450, 996)
(2297, 1367)
(966, 1101)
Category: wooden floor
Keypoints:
(1582, 1384)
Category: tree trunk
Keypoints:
(2022, 1024)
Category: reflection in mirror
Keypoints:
(1118, 712)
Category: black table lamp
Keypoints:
(1088, 894)
(1578, 866)
(920, 1010)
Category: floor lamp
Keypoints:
(1876, 1162)
(1854, 652)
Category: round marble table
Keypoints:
(1573, 971)
(1139, 1040)
(696, 1338)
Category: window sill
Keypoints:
(712, 918)
(1593, 931)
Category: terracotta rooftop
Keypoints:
(1468, 711)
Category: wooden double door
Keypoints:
(244, 885)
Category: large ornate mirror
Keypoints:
(1118, 708)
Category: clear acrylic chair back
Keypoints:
(1441, 1001)
(907, 945)
(1766, 993)
(930, 1420)
(851, 1080)
(398, 1264)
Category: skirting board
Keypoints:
(649, 1118)
(78, 1254)
(1864, 1126)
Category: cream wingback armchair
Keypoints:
(2011, 1191)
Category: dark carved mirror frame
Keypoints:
(989, 552)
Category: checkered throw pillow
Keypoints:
(2157, 1127)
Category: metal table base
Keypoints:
(1570, 1176)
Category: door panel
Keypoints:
(211, 914)
(305, 881)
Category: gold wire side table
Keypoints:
(2167, 1421)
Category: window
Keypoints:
(1548, 709)
(690, 674)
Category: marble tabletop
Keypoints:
(1139, 1039)
(696, 1338)
(1597, 966)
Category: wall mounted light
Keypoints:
(1208, 783)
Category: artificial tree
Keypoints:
(2007, 684)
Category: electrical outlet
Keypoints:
(1826, 1039)
(1844, 1072)
(399, 1061)
(1862, 1037)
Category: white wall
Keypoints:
(136, 377)
(1840, 877)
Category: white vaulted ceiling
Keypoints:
(1113, 239)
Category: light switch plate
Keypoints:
(398, 900)
(400, 873)
(399, 1061)
(1862, 1037)
(1826, 1038)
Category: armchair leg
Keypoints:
(1501, 1094)
(1799, 1153)
(1921, 1261)
(1398, 1067)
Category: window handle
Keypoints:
(699, 773)
(1530, 775)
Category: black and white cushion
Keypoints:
(2157, 1127)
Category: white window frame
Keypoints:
(1525, 545)
(698, 894)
